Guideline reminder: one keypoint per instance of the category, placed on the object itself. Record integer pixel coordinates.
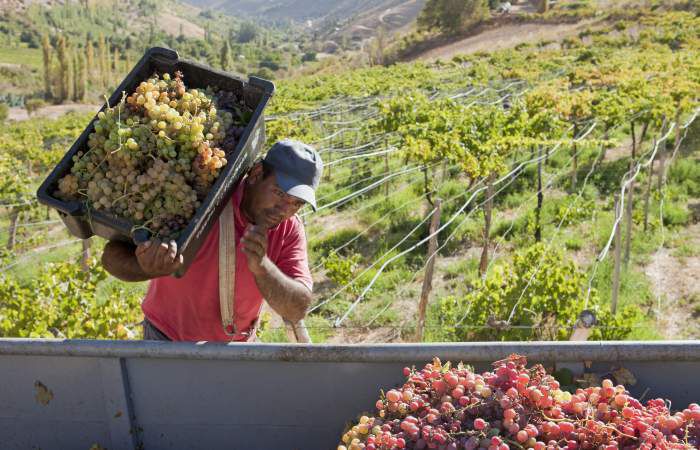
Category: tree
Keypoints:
(76, 76)
(70, 79)
(308, 56)
(127, 61)
(33, 104)
(108, 73)
(47, 51)
(379, 46)
(102, 59)
(81, 76)
(225, 57)
(90, 58)
(247, 32)
(63, 69)
(116, 57)
(451, 16)
(4, 112)
(428, 18)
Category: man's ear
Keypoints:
(256, 173)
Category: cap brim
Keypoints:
(294, 187)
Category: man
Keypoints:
(271, 257)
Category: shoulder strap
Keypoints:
(227, 268)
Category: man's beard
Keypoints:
(268, 219)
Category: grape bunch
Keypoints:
(515, 407)
(154, 156)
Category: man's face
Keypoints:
(270, 205)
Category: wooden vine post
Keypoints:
(616, 270)
(488, 210)
(429, 269)
(386, 167)
(330, 148)
(676, 142)
(630, 199)
(662, 159)
(85, 256)
(574, 161)
(647, 193)
(12, 232)
(636, 144)
(540, 197)
(662, 153)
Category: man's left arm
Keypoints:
(290, 298)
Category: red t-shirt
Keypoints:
(187, 308)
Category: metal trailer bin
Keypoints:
(63, 394)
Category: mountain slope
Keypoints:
(329, 20)
(296, 10)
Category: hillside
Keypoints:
(295, 10)
(334, 20)
(118, 33)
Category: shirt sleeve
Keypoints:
(293, 259)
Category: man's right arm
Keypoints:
(152, 259)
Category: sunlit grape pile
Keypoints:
(154, 156)
(513, 407)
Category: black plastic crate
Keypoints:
(255, 92)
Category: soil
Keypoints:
(52, 111)
(506, 36)
(173, 24)
(675, 283)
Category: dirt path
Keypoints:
(675, 282)
(621, 151)
(52, 111)
(505, 37)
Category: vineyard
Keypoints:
(496, 196)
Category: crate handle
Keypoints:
(266, 85)
(164, 52)
(140, 236)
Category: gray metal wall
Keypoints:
(58, 394)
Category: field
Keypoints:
(531, 155)
(30, 57)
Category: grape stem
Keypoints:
(517, 444)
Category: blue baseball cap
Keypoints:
(298, 168)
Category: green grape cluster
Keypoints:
(154, 156)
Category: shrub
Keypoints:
(675, 214)
(4, 112)
(544, 291)
(32, 105)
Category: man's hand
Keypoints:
(158, 259)
(288, 297)
(255, 248)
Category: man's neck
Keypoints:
(246, 206)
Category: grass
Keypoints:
(574, 243)
(34, 262)
(686, 250)
(30, 57)
(463, 268)
(635, 291)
